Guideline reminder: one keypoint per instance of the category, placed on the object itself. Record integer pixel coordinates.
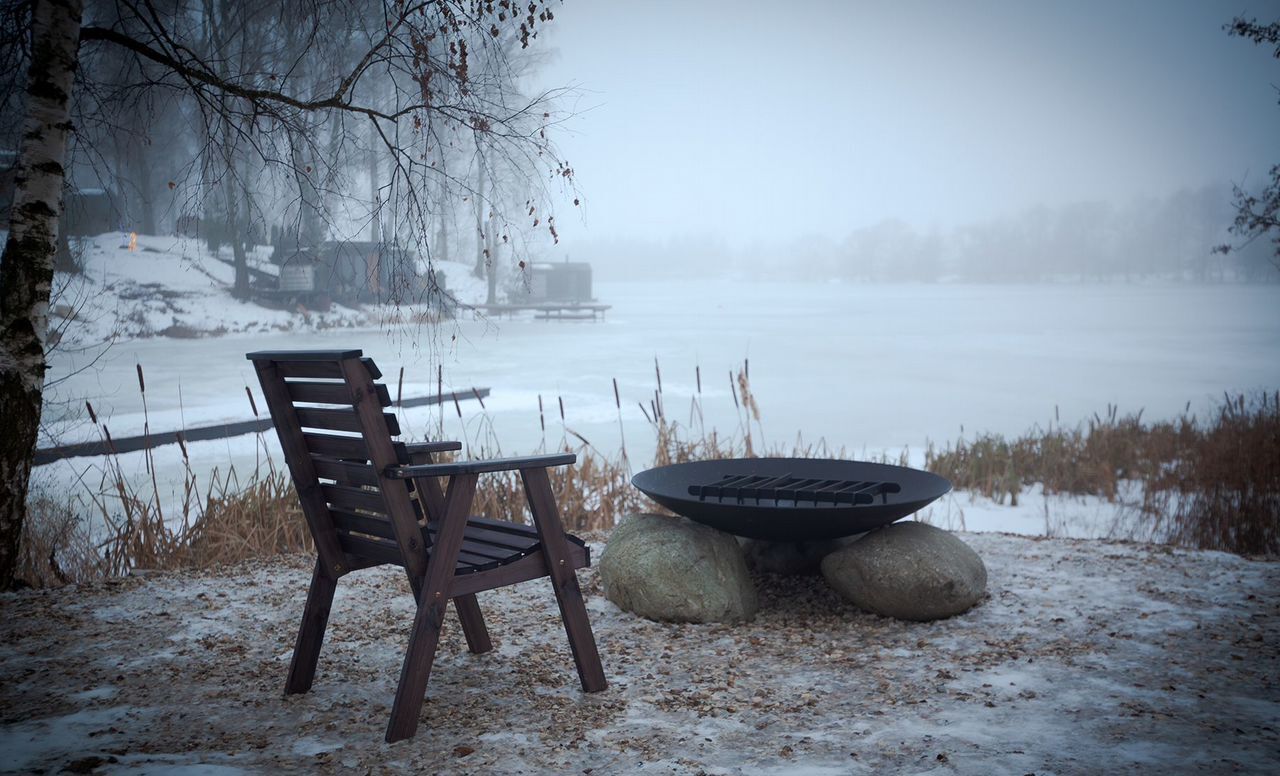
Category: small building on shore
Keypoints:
(566, 282)
(352, 271)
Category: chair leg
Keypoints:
(472, 620)
(432, 498)
(315, 616)
(432, 601)
(573, 611)
(582, 642)
(412, 689)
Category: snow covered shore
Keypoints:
(174, 287)
(1088, 657)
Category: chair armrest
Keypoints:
(431, 447)
(480, 467)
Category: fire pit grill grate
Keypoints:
(787, 487)
(791, 499)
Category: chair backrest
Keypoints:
(337, 440)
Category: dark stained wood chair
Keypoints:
(370, 500)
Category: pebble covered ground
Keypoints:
(1086, 657)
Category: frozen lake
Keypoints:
(864, 367)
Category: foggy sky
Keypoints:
(749, 121)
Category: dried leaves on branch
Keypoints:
(271, 113)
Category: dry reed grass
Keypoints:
(1216, 486)
(1210, 485)
(56, 547)
(229, 520)
(1224, 493)
(115, 526)
(596, 492)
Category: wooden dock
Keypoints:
(547, 310)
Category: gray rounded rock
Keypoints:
(674, 570)
(908, 570)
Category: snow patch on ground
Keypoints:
(1039, 513)
(1087, 657)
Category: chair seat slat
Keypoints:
(381, 550)
(344, 472)
(489, 554)
(470, 562)
(347, 447)
(367, 524)
(519, 529)
(494, 552)
(476, 531)
(330, 393)
(302, 355)
(351, 448)
(324, 370)
(353, 498)
(481, 551)
(340, 420)
(386, 551)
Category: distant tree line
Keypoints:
(1170, 238)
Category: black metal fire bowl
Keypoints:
(791, 499)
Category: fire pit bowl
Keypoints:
(791, 499)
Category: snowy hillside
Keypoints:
(174, 287)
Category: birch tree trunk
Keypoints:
(309, 200)
(239, 213)
(442, 250)
(236, 234)
(478, 269)
(491, 249)
(26, 269)
(227, 21)
(142, 183)
(375, 203)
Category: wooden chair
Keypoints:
(369, 500)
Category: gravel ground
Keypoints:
(1087, 657)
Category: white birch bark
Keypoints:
(26, 269)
